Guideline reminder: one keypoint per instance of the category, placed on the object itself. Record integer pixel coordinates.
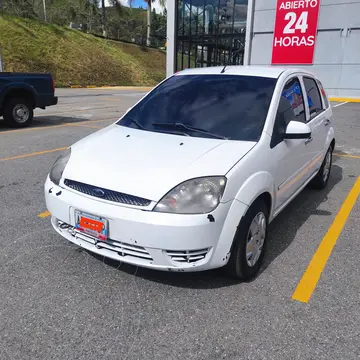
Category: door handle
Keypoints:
(309, 140)
(327, 122)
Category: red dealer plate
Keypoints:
(92, 225)
(295, 31)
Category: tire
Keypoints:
(18, 112)
(239, 265)
(321, 179)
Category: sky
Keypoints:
(138, 3)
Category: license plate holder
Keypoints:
(92, 225)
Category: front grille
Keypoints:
(121, 248)
(106, 194)
(124, 249)
(187, 256)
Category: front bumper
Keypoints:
(168, 242)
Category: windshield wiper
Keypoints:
(189, 128)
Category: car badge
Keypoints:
(98, 192)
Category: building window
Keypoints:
(210, 32)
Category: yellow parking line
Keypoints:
(347, 156)
(93, 121)
(31, 129)
(317, 264)
(54, 126)
(344, 99)
(89, 126)
(44, 214)
(32, 154)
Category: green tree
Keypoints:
(149, 6)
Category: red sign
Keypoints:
(295, 31)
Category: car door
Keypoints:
(329, 116)
(318, 119)
(293, 155)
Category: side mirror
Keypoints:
(297, 130)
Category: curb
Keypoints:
(83, 87)
(344, 99)
(148, 88)
(141, 88)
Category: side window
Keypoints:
(291, 108)
(314, 97)
(323, 93)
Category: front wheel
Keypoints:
(18, 112)
(249, 243)
(321, 179)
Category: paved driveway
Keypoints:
(60, 302)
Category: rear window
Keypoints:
(323, 93)
(314, 97)
(229, 106)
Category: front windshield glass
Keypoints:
(223, 106)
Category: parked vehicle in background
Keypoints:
(191, 176)
(21, 93)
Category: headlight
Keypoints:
(59, 167)
(196, 196)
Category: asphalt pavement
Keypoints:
(60, 302)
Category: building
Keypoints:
(323, 35)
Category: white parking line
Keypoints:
(340, 104)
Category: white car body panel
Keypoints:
(149, 164)
(154, 232)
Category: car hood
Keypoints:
(148, 164)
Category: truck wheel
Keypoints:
(18, 112)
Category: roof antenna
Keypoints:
(230, 56)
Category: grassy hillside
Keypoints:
(75, 58)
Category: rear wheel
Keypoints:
(321, 179)
(249, 243)
(18, 112)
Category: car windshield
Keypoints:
(212, 106)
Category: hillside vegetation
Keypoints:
(74, 57)
(115, 22)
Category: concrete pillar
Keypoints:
(171, 37)
(249, 31)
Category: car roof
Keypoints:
(249, 70)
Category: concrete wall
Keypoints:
(337, 49)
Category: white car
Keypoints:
(191, 176)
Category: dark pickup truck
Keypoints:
(21, 93)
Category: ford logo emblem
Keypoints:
(98, 192)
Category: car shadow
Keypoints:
(305, 205)
(297, 213)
